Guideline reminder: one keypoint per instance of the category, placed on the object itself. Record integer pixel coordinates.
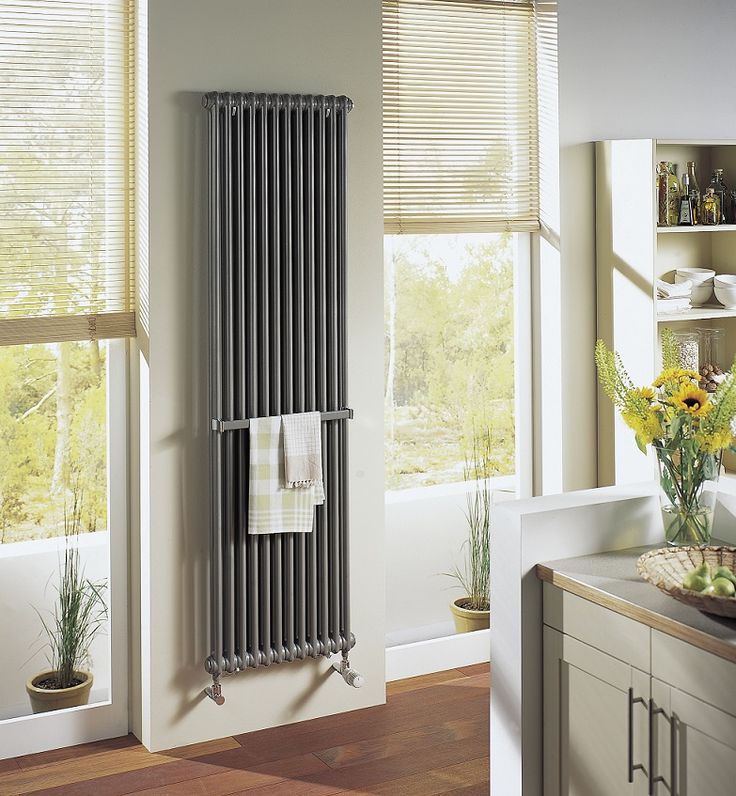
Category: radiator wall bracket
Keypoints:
(349, 675)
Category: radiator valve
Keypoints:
(349, 675)
(214, 692)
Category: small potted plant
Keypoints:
(472, 610)
(78, 616)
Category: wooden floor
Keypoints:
(431, 738)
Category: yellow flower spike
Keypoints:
(692, 400)
(715, 441)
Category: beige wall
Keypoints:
(320, 46)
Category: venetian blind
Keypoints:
(66, 165)
(460, 116)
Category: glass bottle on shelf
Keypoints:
(720, 190)
(662, 172)
(686, 217)
(673, 195)
(711, 210)
(711, 355)
(694, 189)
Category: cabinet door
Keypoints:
(599, 750)
(700, 755)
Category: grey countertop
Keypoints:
(611, 580)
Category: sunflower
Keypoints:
(645, 393)
(675, 376)
(692, 400)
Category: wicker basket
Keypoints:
(667, 567)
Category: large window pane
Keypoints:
(53, 452)
(449, 354)
(52, 438)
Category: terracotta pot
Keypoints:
(44, 699)
(466, 621)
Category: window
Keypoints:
(460, 188)
(66, 265)
(449, 354)
(66, 289)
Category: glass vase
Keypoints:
(688, 480)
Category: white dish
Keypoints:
(697, 275)
(701, 294)
(726, 296)
(681, 279)
(726, 280)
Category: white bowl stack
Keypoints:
(725, 287)
(703, 282)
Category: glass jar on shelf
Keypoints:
(688, 344)
(712, 346)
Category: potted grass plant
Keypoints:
(472, 610)
(78, 615)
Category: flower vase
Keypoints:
(688, 479)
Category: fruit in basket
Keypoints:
(698, 579)
(724, 572)
(723, 587)
(719, 581)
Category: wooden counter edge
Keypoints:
(697, 638)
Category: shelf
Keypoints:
(698, 228)
(707, 313)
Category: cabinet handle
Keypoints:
(638, 766)
(673, 754)
(653, 711)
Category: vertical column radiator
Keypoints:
(277, 345)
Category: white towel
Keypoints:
(673, 304)
(303, 452)
(271, 508)
(668, 290)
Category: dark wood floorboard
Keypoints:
(430, 738)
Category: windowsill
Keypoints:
(52, 544)
(505, 483)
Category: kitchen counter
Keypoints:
(611, 580)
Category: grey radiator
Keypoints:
(277, 345)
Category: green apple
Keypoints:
(724, 572)
(722, 587)
(699, 579)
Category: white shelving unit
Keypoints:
(632, 253)
(696, 229)
(708, 312)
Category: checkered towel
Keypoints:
(303, 451)
(271, 508)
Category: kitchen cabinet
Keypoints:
(630, 710)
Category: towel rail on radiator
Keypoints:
(277, 298)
